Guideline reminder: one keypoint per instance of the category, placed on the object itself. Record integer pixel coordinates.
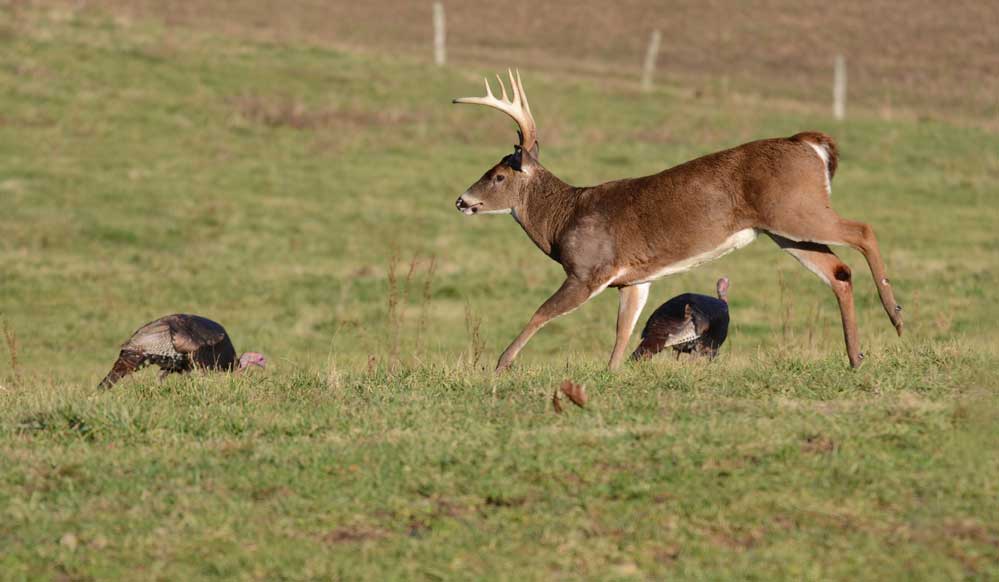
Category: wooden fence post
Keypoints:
(440, 35)
(839, 88)
(650, 60)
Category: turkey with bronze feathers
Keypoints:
(688, 323)
(179, 343)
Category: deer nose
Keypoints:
(467, 206)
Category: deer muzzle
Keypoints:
(467, 205)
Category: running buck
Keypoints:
(628, 233)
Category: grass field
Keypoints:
(303, 196)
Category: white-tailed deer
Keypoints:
(627, 233)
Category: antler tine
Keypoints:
(489, 90)
(523, 95)
(503, 88)
(513, 87)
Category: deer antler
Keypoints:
(517, 108)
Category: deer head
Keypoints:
(504, 186)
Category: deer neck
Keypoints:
(545, 209)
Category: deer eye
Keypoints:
(500, 177)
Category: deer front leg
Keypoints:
(632, 302)
(569, 296)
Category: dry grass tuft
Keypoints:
(476, 343)
(10, 338)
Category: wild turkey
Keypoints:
(688, 323)
(177, 344)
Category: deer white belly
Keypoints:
(736, 241)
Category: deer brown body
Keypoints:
(627, 233)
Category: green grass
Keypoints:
(304, 197)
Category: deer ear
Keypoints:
(535, 150)
(516, 159)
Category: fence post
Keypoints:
(440, 56)
(650, 61)
(839, 88)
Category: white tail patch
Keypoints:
(824, 156)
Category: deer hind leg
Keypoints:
(633, 300)
(831, 229)
(819, 259)
(569, 296)
(860, 236)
